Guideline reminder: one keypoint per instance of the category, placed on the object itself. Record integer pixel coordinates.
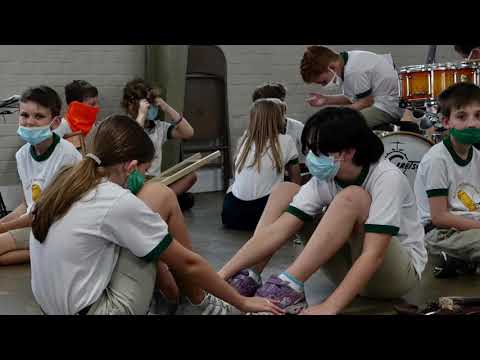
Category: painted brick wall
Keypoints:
(106, 66)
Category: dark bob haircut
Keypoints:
(334, 129)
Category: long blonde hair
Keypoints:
(267, 122)
(118, 139)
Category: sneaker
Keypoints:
(291, 301)
(211, 305)
(244, 283)
(186, 201)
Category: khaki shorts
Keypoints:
(376, 117)
(130, 290)
(395, 277)
(21, 237)
(463, 245)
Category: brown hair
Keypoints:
(315, 61)
(117, 140)
(277, 90)
(266, 123)
(79, 90)
(457, 96)
(44, 96)
(136, 90)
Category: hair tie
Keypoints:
(94, 158)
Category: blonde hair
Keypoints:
(267, 121)
(119, 139)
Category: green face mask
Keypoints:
(135, 181)
(466, 136)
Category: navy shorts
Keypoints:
(242, 215)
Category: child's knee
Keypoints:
(155, 194)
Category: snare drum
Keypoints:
(405, 150)
(421, 83)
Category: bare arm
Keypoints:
(183, 130)
(193, 266)
(263, 244)
(361, 104)
(23, 221)
(373, 253)
(19, 211)
(442, 218)
(319, 100)
(294, 173)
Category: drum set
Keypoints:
(419, 87)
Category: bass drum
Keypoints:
(405, 150)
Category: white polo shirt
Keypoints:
(73, 266)
(295, 129)
(63, 129)
(159, 136)
(443, 173)
(250, 184)
(367, 73)
(393, 209)
(36, 172)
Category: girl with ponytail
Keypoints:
(96, 247)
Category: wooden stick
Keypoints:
(78, 140)
(175, 168)
(189, 169)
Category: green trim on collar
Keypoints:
(458, 160)
(46, 154)
(293, 162)
(344, 56)
(358, 181)
(381, 229)
(299, 214)
(437, 192)
(159, 249)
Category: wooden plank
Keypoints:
(189, 169)
(180, 165)
(78, 140)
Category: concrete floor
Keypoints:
(217, 245)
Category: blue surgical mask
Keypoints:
(322, 167)
(35, 135)
(152, 112)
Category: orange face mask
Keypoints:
(81, 117)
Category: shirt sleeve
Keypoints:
(435, 177)
(291, 153)
(133, 225)
(388, 197)
(362, 85)
(310, 200)
(165, 130)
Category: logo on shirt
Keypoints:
(469, 196)
(36, 192)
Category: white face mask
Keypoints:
(335, 86)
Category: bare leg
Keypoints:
(347, 212)
(280, 197)
(163, 200)
(15, 257)
(9, 255)
(7, 243)
(184, 184)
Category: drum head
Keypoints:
(405, 150)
